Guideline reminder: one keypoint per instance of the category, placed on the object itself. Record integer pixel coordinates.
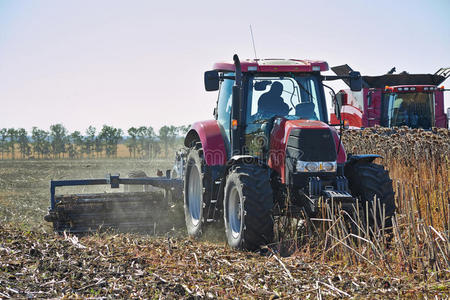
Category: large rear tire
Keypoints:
(368, 181)
(196, 191)
(248, 203)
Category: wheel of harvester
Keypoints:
(370, 181)
(196, 191)
(135, 188)
(248, 204)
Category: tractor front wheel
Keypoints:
(248, 204)
(370, 181)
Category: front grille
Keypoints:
(311, 145)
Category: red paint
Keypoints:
(212, 141)
(342, 155)
(271, 65)
(415, 88)
(441, 116)
(354, 118)
(278, 142)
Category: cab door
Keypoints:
(223, 110)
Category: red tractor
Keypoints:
(271, 150)
(413, 100)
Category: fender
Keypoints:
(245, 159)
(209, 134)
(234, 160)
(354, 159)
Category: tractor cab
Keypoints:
(266, 91)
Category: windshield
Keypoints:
(291, 97)
(415, 110)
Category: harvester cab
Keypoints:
(413, 100)
(269, 152)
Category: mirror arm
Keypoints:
(222, 77)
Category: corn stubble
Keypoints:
(337, 254)
(418, 241)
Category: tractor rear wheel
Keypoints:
(248, 203)
(370, 181)
(196, 191)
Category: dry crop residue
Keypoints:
(122, 266)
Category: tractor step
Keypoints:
(338, 196)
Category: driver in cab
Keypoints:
(272, 103)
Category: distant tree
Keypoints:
(24, 142)
(12, 139)
(58, 134)
(183, 129)
(167, 135)
(3, 141)
(89, 141)
(98, 145)
(71, 151)
(145, 136)
(132, 141)
(40, 142)
(111, 137)
(156, 149)
(76, 143)
(150, 142)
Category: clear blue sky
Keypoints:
(128, 63)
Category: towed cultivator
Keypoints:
(269, 152)
(127, 211)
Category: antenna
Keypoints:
(253, 41)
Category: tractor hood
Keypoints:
(306, 140)
(311, 124)
(285, 126)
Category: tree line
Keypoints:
(58, 142)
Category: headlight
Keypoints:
(329, 166)
(312, 166)
(316, 166)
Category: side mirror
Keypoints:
(211, 81)
(338, 105)
(355, 81)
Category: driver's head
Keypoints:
(276, 88)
